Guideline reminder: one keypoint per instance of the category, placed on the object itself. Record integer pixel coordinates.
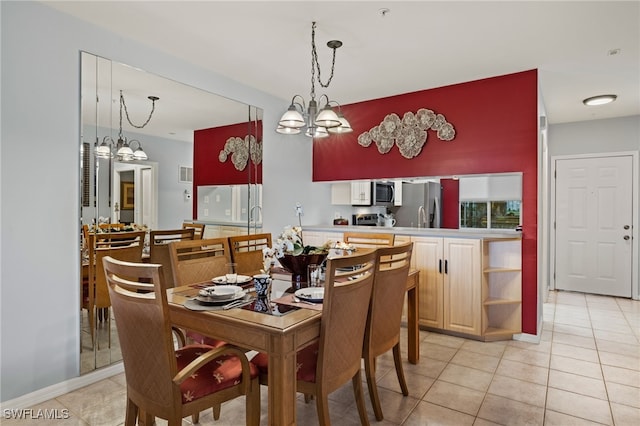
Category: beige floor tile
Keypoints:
(577, 405)
(426, 413)
(541, 359)
(483, 422)
(632, 350)
(543, 346)
(518, 390)
(526, 372)
(576, 366)
(569, 351)
(455, 397)
(553, 418)
(625, 415)
(426, 367)
(436, 351)
(395, 407)
(578, 384)
(622, 376)
(495, 349)
(574, 330)
(418, 385)
(623, 394)
(573, 340)
(444, 340)
(476, 360)
(575, 321)
(617, 360)
(509, 412)
(465, 376)
(614, 336)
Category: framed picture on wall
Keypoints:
(127, 196)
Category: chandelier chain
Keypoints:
(316, 64)
(122, 103)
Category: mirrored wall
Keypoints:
(119, 193)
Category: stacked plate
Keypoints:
(220, 295)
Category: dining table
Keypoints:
(280, 335)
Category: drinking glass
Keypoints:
(313, 275)
(231, 275)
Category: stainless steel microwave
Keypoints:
(383, 193)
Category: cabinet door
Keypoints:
(397, 193)
(341, 193)
(462, 285)
(427, 258)
(361, 193)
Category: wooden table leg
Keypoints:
(282, 384)
(413, 330)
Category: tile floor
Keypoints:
(585, 371)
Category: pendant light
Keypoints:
(319, 122)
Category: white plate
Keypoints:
(311, 294)
(211, 301)
(224, 292)
(240, 280)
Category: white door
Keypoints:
(593, 225)
(146, 198)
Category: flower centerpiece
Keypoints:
(289, 250)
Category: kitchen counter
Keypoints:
(424, 232)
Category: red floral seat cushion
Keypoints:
(221, 373)
(306, 360)
(201, 339)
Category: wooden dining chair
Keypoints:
(368, 240)
(159, 249)
(162, 381)
(335, 358)
(197, 227)
(385, 313)
(246, 252)
(125, 246)
(199, 261)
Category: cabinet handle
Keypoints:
(440, 266)
(446, 266)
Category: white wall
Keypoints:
(39, 166)
(620, 134)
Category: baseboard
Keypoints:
(54, 391)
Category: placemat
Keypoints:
(287, 299)
(194, 305)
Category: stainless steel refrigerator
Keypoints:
(421, 205)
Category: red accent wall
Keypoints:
(496, 131)
(207, 168)
(450, 209)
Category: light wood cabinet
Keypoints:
(450, 277)
(501, 288)
(361, 193)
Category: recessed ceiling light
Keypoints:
(599, 100)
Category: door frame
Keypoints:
(635, 190)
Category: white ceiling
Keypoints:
(417, 45)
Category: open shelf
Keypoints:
(497, 301)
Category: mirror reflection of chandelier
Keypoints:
(123, 147)
(319, 122)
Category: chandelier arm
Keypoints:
(123, 104)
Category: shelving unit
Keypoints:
(501, 288)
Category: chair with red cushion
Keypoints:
(161, 381)
(385, 316)
(198, 261)
(336, 357)
(159, 249)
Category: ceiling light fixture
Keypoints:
(124, 151)
(319, 122)
(599, 100)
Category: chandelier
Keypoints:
(123, 147)
(319, 122)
